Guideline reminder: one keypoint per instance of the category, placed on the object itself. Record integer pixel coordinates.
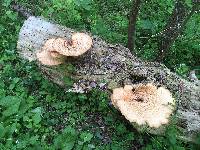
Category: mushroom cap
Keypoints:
(79, 44)
(118, 94)
(144, 105)
(54, 50)
(48, 56)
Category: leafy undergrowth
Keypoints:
(37, 114)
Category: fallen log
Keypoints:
(110, 66)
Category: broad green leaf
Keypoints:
(121, 128)
(146, 24)
(82, 97)
(67, 139)
(86, 137)
(85, 4)
(33, 139)
(10, 129)
(12, 109)
(2, 130)
(91, 146)
(11, 103)
(36, 118)
(12, 15)
(6, 2)
(14, 82)
(37, 115)
(1, 28)
(70, 130)
(68, 145)
(9, 100)
(189, 3)
(37, 110)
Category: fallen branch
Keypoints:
(110, 66)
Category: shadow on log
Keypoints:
(111, 66)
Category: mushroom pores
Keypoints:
(146, 104)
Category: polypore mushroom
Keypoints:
(144, 104)
(54, 50)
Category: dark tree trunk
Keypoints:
(174, 28)
(132, 24)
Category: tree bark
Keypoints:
(132, 24)
(174, 28)
(110, 66)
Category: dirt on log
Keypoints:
(109, 66)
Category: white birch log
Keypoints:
(110, 66)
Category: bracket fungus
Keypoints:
(144, 104)
(55, 50)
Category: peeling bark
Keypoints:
(110, 66)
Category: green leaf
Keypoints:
(82, 97)
(67, 139)
(2, 130)
(68, 81)
(86, 137)
(14, 82)
(91, 146)
(36, 118)
(10, 129)
(1, 28)
(121, 129)
(70, 130)
(172, 135)
(37, 115)
(188, 3)
(146, 24)
(11, 103)
(8, 101)
(12, 15)
(37, 110)
(12, 109)
(6, 3)
(33, 139)
(85, 4)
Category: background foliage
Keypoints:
(37, 114)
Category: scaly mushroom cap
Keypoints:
(144, 104)
(54, 50)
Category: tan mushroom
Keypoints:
(144, 104)
(54, 50)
